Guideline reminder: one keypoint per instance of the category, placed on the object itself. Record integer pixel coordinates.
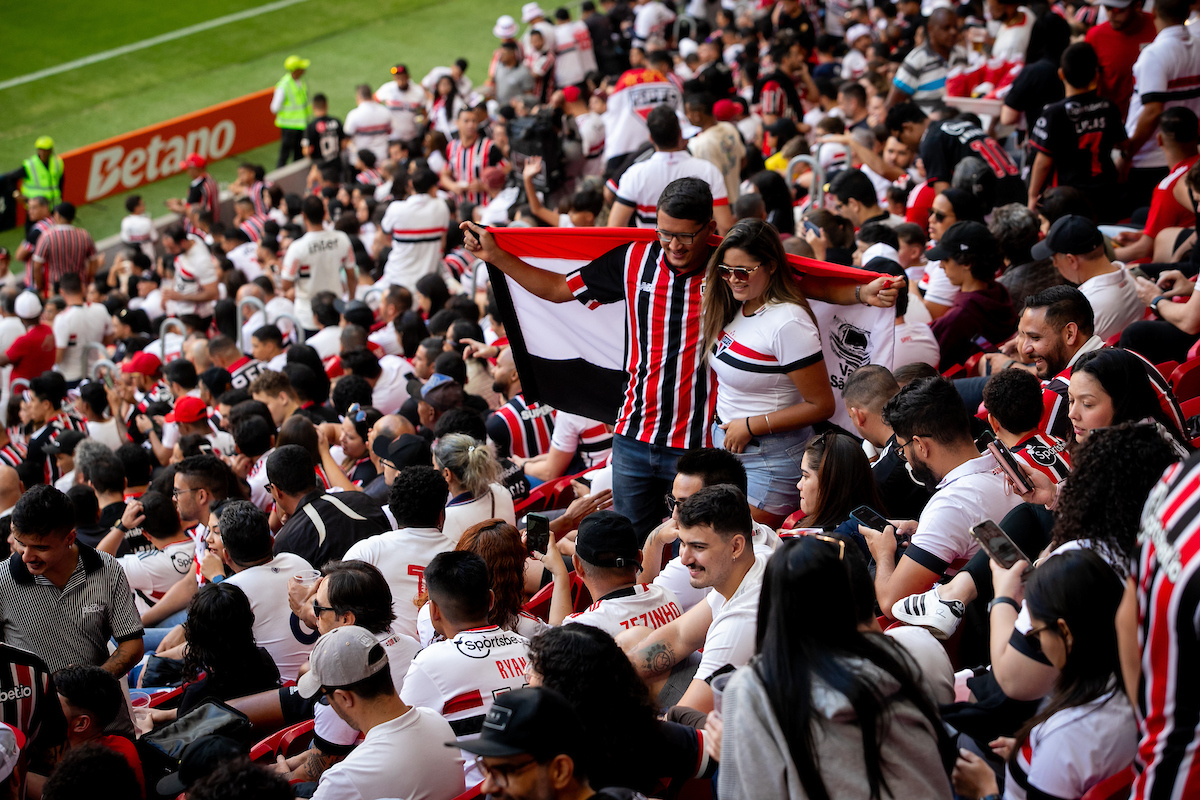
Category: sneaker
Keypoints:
(929, 611)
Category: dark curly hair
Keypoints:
(219, 631)
(587, 667)
(1102, 502)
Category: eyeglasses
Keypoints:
(672, 503)
(900, 447)
(176, 492)
(940, 216)
(1034, 641)
(841, 543)
(319, 609)
(741, 273)
(269, 488)
(501, 774)
(355, 413)
(684, 238)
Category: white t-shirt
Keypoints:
(1013, 40)
(527, 625)
(137, 230)
(193, 270)
(754, 355)
(1165, 71)
(915, 343)
(391, 390)
(105, 433)
(75, 328)
(731, 635)
(674, 575)
(314, 262)
(459, 678)
(152, 572)
(403, 105)
(643, 604)
(591, 135)
(402, 557)
(387, 338)
(643, 183)
(371, 126)
(588, 437)
(401, 650)
(167, 348)
(969, 494)
(1114, 300)
(257, 478)
(936, 287)
(651, 19)
(416, 225)
(574, 57)
(245, 258)
(498, 504)
(327, 341)
(276, 628)
(384, 764)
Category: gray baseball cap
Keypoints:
(342, 657)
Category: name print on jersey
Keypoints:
(482, 647)
(655, 618)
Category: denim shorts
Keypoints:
(772, 468)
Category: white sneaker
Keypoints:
(928, 610)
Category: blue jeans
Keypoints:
(772, 468)
(642, 476)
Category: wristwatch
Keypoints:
(1007, 601)
(1154, 305)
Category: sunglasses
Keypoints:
(741, 273)
(940, 216)
(1033, 640)
(672, 503)
(355, 413)
(318, 609)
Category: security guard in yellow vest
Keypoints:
(43, 173)
(292, 109)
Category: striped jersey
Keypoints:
(590, 440)
(643, 183)
(1047, 454)
(13, 453)
(243, 372)
(467, 162)
(27, 699)
(671, 393)
(645, 604)
(1168, 590)
(203, 195)
(262, 200)
(62, 249)
(521, 429)
(253, 227)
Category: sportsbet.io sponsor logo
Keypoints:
(160, 158)
(15, 693)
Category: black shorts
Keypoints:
(294, 707)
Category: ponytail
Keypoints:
(470, 461)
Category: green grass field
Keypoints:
(349, 42)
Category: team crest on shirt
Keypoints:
(723, 343)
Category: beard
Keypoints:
(499, 388)
(922, 474)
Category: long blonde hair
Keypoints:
(759, 240)
(470, 461)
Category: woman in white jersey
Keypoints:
(1086, 731)
(473, 474)
(765, 349)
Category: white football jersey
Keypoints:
(402, 557)
(643, 604)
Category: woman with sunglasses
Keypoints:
(356, 426)
(765, 349)
(949, 207)
(1086, 730)
(473, 475)
(826, 709)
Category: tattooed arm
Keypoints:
(662, 649)
(307, 766)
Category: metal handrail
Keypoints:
(817, 190)
(257, 305)
(692, 24)
(104, 362)
(167, 324)
(298, 329)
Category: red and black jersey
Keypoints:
(1168, 590)
(521, 429)
(243, 372)
(947, 143)
(1079, 134)
(458, 261)
(671, 393)
(29, 703)
(1046, 454)
(13, 453)
(253, 227)
(262, 200)
(49, 433)
(204, 195)
(467, 163)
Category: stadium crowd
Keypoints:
(274, 478)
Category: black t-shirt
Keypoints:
(255, 675)
(1036, 87)
(947, 143)
(325, 136)
(1079, 133)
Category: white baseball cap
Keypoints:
(28, 306)
(505, 28)
(857, 31)
(687, 47)
(342, 658)
(531, 11)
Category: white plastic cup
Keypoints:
(308, 577)
(718, 689)
(139, 702)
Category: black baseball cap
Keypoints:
(406, 450)
(534, 720)
(607, 539)
(199, 759)
(963, 238)
(66, 443)
(1071, 235)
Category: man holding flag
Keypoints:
(670, 392)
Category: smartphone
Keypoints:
(108, 378)
(537, 533)
(586, 481)
(1008, 462)
(1138, 272)
(869, 517)
(811, 226)
(996, 543)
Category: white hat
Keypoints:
(342, 658)
(28, 306)
(879, 250)
(857, 31)
(506, 27)
(687, 47)
(531, 11)
(12, 741)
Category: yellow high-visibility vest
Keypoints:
(296, 111)
(42, 180)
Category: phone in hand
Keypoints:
(1008, 462)
(997, 544)
(537, 533)
(870, 518)
(812, 226)
(1138, 272)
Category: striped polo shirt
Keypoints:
(922, 74)
(63, 249)
(71, 625)
(467, 163)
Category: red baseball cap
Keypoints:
(571, 93)
(188, 409)
(724, 110)
(194, 160)
(143, 363)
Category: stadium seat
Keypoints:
(160, 699)
(279, 741)
(539, 604)
(1185, 380)
(472, 793)
(1115, 788)
(1166, 368)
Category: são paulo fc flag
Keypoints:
(572, 358)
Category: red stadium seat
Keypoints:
(280, 741)
(158, 699)
(1115, 788)
(472, 793)
(1166, 368)
(539, 604)
(1185, 380)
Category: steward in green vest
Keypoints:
(43, 175)
(292, 108)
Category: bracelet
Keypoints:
(217, 579)
(747, 421)
(858, 295)
(769, 428)
(121, 527)
(1006, 601)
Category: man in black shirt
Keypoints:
(323, 138)
(1074, 138)
(942, 145)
